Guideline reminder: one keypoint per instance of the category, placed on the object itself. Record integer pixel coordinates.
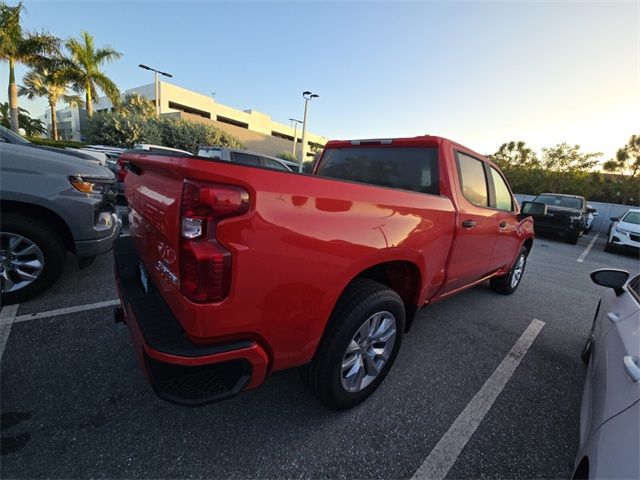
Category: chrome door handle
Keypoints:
(614, 317)
(468, 224)
(632, 368)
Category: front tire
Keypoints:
(31, 258)
(572, 238)
(359, 347)
(507, 284)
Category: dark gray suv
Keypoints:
(50, 203)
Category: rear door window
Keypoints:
(245, 158)
(473, 180)
(405, 168)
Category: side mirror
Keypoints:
(611, 278)
(614, 219)
(533, 208)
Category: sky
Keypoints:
(480, 73)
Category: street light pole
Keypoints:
(307, 96)
(295, 134)
(156, 84)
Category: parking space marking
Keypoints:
(588, 249)
(449, 447)
(7, 316)
(61, 311)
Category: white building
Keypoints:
(256, 130)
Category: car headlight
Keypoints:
(575, 218)
(622, 230)
(95, 186)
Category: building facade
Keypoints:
(256, 130)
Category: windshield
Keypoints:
(11, 137)
(632, 217)
(561, 201)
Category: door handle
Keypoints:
(503, 224)
(632, 368)
(614, 317)
(468, 224)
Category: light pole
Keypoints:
(295, 134)
(155, 79)
(307, 96)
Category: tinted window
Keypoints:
(245, 158)
(560, 201)
(503, 195)
(632, 217)
(405, 168)
(474, 182)
(274, 164)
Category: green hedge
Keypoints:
(55, 143)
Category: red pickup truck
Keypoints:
(232, 272)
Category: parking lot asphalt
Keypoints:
(75, 404)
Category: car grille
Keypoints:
(635, 238)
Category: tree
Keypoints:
(31, 126)
(627, 160)
(52, 85)
(19, 46)
(136, 104)
(288, 156)
(85, 70)
(567, 166)
(118, 130)
(514, 155)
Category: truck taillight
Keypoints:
(205, 266)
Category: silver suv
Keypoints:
(50, 203)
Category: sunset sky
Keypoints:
(480, 73)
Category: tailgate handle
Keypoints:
(503, 224)
(632, 368)
(133, 168)
(468, 224)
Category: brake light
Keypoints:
(205, 266)
(121, 169)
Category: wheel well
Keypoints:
(401, 276)
(582, 471)
(528, 243)
(44, 215)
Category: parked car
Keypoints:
(592, 213)
(610, 414)
(8, 136)
(624, 232)
(232, 272)
(246, 157)
(51, 202)
(566, 215)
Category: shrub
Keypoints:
(188, 135)
(121, 130)
(287, 156)
(48, 142)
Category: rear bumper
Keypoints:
(179, 370)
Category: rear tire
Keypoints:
(41, 245)
(507, 284)
(348, 353)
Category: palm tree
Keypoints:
(52, 85)
(85, 71)
(32, 126)
(18, 46)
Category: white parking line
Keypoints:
(61, 311)
(7, 315)
(588, 249)
(447, 450)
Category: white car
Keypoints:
(246, 157)
(610, 414)
(591, 214)
(625, 231)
